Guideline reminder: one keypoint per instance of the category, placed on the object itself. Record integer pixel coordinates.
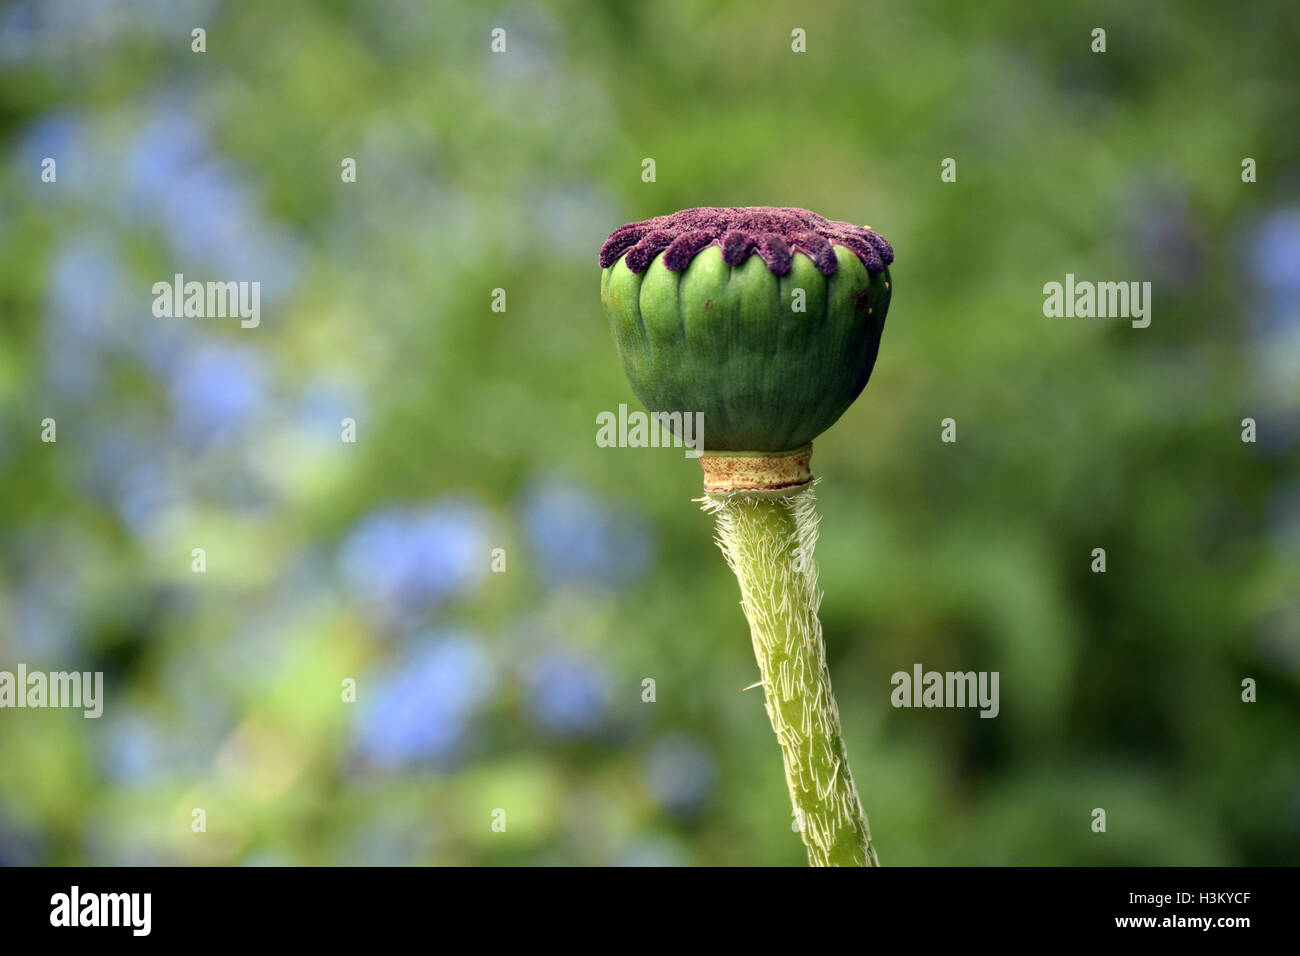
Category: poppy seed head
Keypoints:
(774, 233)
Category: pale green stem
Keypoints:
(768, 542)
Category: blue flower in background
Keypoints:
(576, 538)
(157, 159)
(145, 494)
(84, 276)
(169, 177)
(566, 694)
(680, 773)
(419, 709)
(1275, 254)
(215, 390)
(323, 405)
(53, 30)
(95, 310)
(20, 845)
(125, 469)
(84, 279)
(205, 205)
(131, 752)
(56, 134)
(411, 559)
(1274, 262)
(18, 23)
(42, 620)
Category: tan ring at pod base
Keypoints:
(757, 471)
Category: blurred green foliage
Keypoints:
(522, 690)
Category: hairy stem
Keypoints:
(768, 542)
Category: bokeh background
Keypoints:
(476, 430)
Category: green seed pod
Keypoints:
(766, 321)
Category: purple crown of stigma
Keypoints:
(775, 234)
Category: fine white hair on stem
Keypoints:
(768, 542)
